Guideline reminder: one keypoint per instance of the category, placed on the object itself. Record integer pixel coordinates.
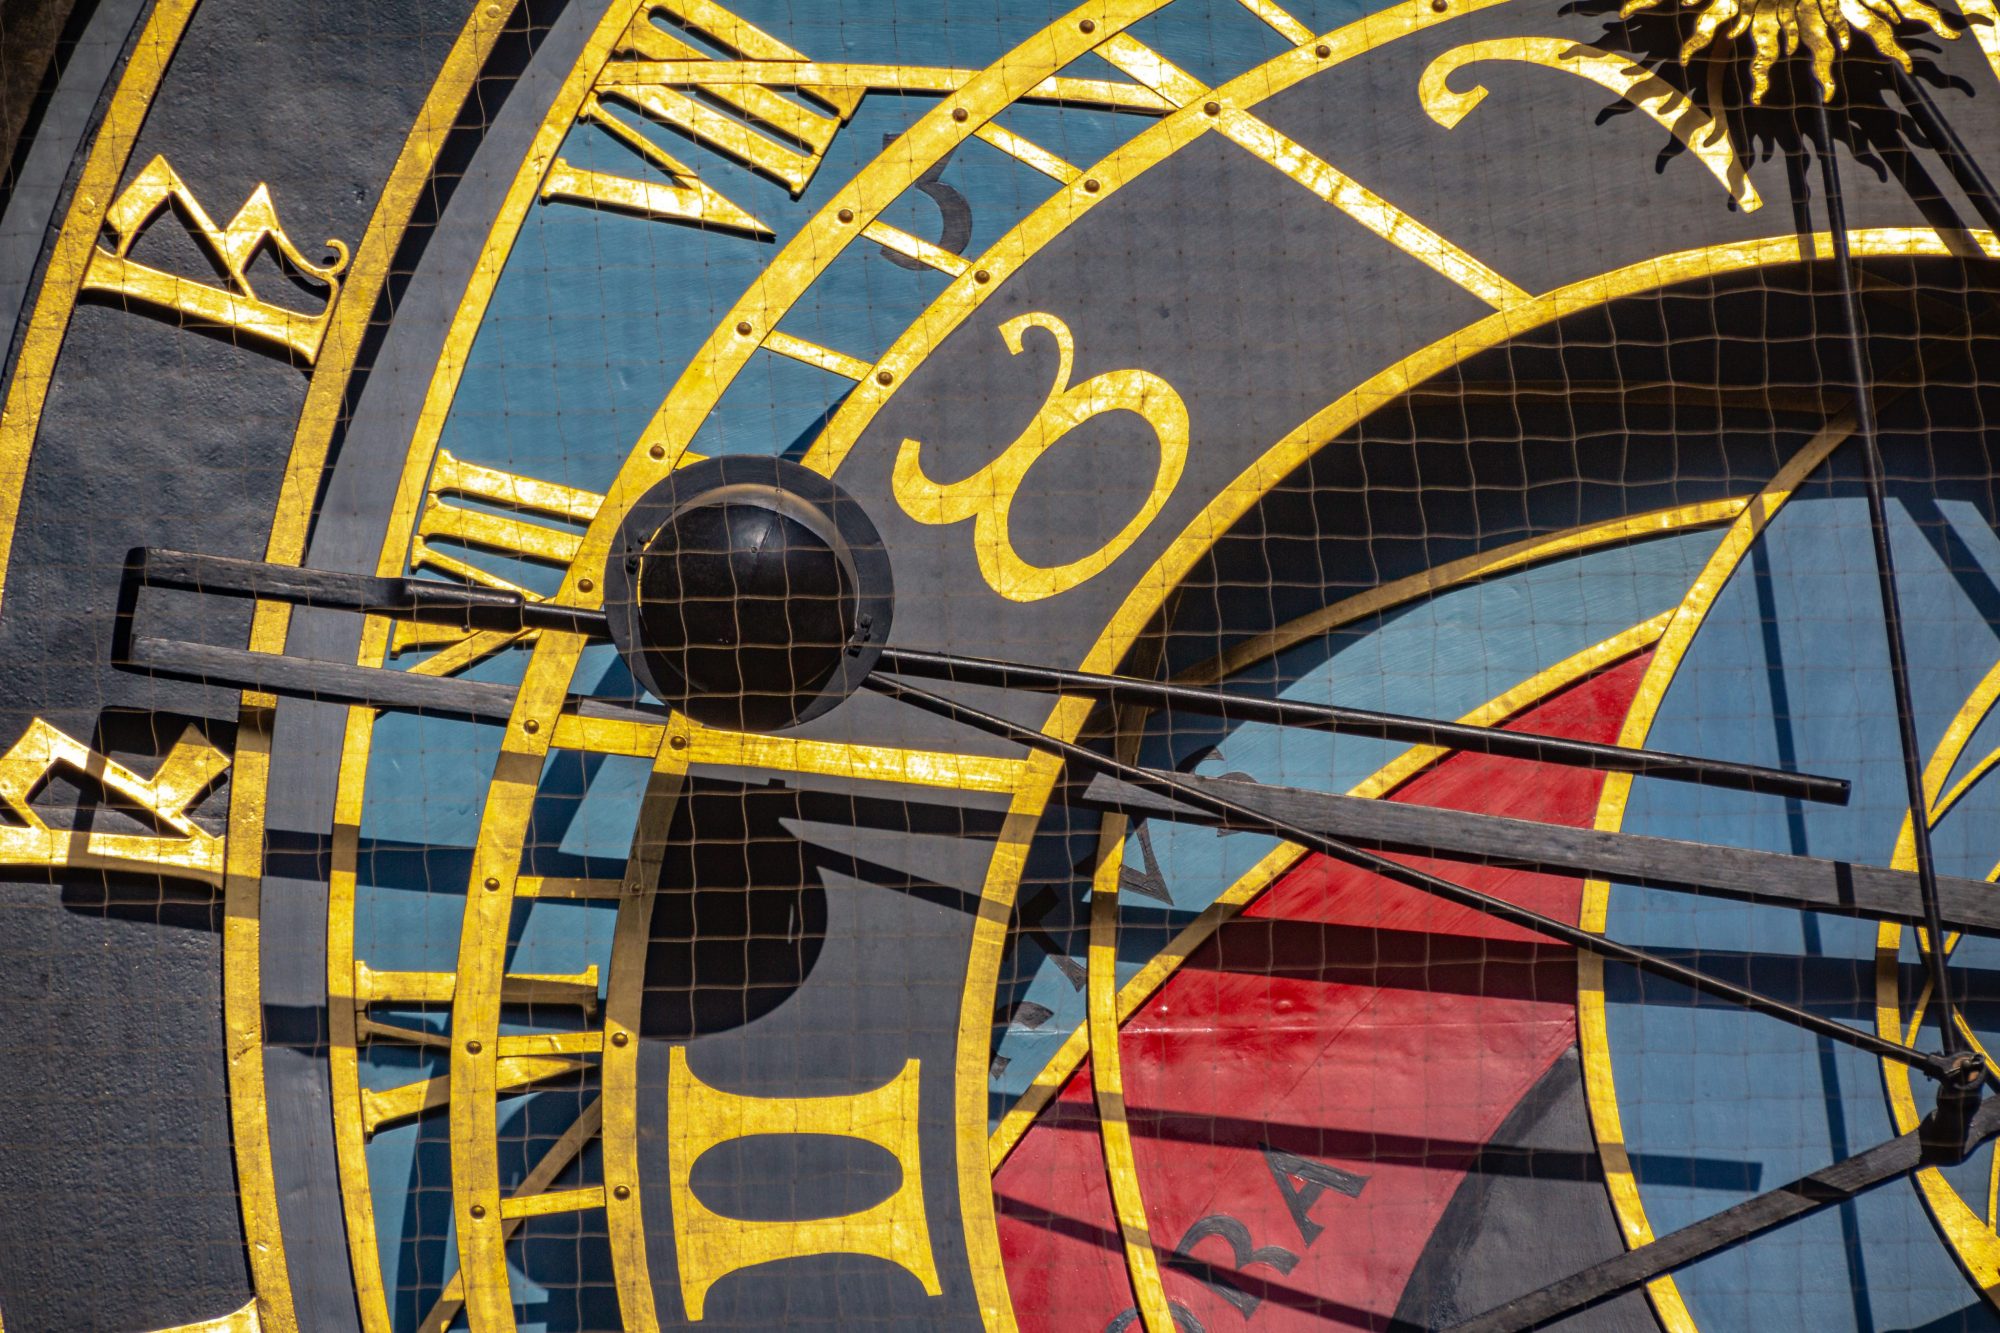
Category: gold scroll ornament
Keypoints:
(1675, 112)
(112, 272)
(987, 496)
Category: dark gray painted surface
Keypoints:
(306, 743)
(122, 1215)
(1532, 1209)
(51, 157)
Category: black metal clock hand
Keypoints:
(1805, 883)
(1175, 788)
(495, 609)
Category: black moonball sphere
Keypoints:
(748, 604)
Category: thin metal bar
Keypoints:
(1885, 580)
(1499, 908)
(346, 683)
(424, 600)
(1824, 1188)
(1366, 722)
(1951, 149)
(1802, 883)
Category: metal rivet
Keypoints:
(678, 742)
(620, 1038)
(477, 1210)
(981, 275)
(959, 113)
(621, 1192)
(1090, 185)
(1322, 50)
(1088, 25)
(846, 215)
(473, 1047)
(492, 884)
(1212, 108)
(584, 585)
(743, 327)
(657, 451)
(884, 377)
(531, 726)
(1439, 6)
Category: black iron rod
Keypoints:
(1855, 341)
(1851, 1176)
(1366, 722)
(1170, 785)
(1951, 149)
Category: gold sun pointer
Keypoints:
(1777, 28)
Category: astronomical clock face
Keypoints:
(1184, 664)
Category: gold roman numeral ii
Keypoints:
(710, 1246)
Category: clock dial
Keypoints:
(1179, 664)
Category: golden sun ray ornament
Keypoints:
(1778, 28)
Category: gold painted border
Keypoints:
(1149, 593)
(1974, 1241)
(291, 527)
(486, 1286)
(1020, 1117)
(62, 280)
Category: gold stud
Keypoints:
(846, 215)
(621, 1192)
(620, 1038)
(492, 884)
(478, 1210)
(678, 742)
(657, 451)
(743, 327)
(884, 377)
(1090, 185)
(531, 726)
(584, 585)
(960, 114)
(1212, 108)
(981, 275)
(1088, 25)
(1322, 50)
(473, 1047)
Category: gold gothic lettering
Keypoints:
(158, 188)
